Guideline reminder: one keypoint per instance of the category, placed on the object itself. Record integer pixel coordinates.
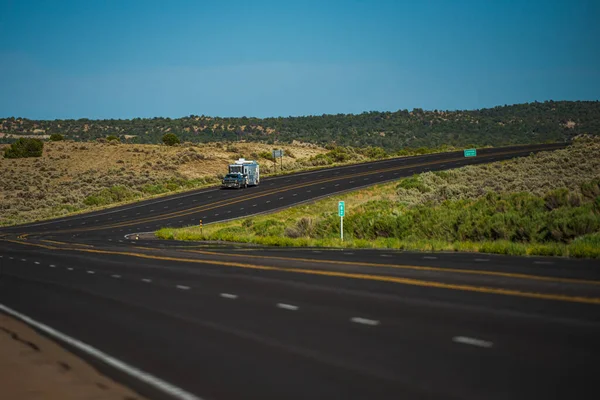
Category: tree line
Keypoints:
(503, 125)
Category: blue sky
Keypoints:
(124, 59)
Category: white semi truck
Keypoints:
(242, 173)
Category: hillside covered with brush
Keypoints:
(515, 124)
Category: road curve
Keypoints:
(227, 322)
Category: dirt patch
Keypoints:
(34, 367)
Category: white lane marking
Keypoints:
(443, 165)
(69, 268)
(52, 266)
(91, 272)
(36, 262)
(472, 341)
(290, 307)
(381, 176)
(1, 256)
(157, 383)
(364, 321)
(229, 296)
(216, 215)
(120, 241)
(166, 206)
(254, 205)
(151, 210)
(116, 276)
(182, 287)
(308, 191)
(110, 240)
(229, 212)
(295, 194)
(137, 213)
(337, 184)
(430, 258)
(385, 255)
(12, 258)
(366, 179)
(351, 181)
(193, 201)
(482, 259)
(268, 201)
(317, 251)
(348, 254)
(146, 280)
(543, 262)
(23, 259)
(396, 173)
(242, 208)
(180, 221)
(281, 198)
(179, 204)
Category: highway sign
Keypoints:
(277, 153)
(470, 152)
(341, 208)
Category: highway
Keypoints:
(211, 321)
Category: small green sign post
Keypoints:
(470, 152)
(341, 213)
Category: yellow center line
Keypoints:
(402, 266)
(65, 243)
(368, 277)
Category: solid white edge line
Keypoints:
(145, 377)
(472, 341)
(364, 321)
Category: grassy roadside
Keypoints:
(545, 204)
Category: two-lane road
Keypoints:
(224, 322)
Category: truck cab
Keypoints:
(235, 180)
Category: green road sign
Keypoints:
(341, 209)
(470, 152)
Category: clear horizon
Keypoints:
(146, 59)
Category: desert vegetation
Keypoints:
(544, 204)
(503, 125)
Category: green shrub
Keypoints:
(56, 137)
(110, 138)
(170, 139)
(25, 147)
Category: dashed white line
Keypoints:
(229, 296)
(364, 321)
(472, 341)
(337, 184)
(183, 287)
(543, 262)
(91, 272)
(385, 255)
(366, 179)
(323, 188)
(482, 259)
(52, 266)
(295, 194)
(69, 269)
(351, 181)
(36, 262)
(290, 307)
(254, 205)
(23, 259)
(281, 198)
(268, 201)
(146, 280)
(430, 258)
(12, 258)
(348, 254)
(115, 276)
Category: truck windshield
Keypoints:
(231, 176)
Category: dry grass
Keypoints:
(69, 172)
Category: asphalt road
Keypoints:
(227, 322)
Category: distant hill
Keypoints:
(516, 124)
